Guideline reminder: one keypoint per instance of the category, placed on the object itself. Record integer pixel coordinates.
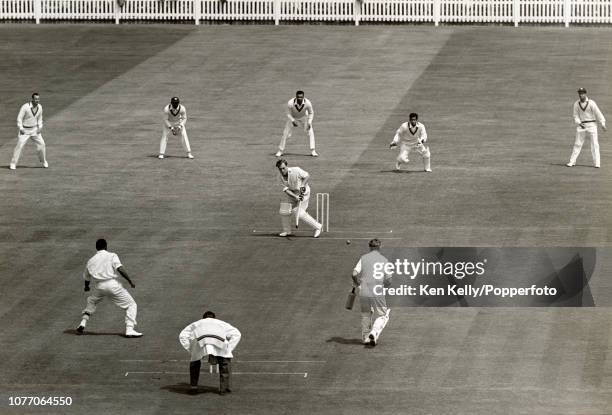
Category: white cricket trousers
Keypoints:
(164, 140)
(581, 135)
(118, 295)
(289, 130)
(303, 215)
(374, 316)
(406, 149)
(22, 140)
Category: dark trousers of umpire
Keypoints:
(225, 372)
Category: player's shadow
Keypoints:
(25, 166)
(166, 156)
(402, 171)
(576, 165)
(342, 340)
(286, 155)
(93, 333)
(185, 389)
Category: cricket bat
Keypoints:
(350, 300)
(297, 214)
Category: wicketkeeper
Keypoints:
(175, 117)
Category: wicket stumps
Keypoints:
(323, 210)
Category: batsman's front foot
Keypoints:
(189, 155)
(80, 330)
(285, 234)
(318, 232)
(12, 166)
(314, 153)
(161, 156)
(570, 164)
(279, 153)
(131, 333)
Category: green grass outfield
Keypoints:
(197, 234)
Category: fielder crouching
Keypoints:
(214, 339)
(297, 192)
(412, 136)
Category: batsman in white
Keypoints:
(175, 117)
(586, 117)
(104, 268)
(212, 338)
(297, 195)
(374, 310)
(299, 112)
(30, 124)
(411, 136)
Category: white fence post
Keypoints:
(117, 11)
(357, 11)
(516, 11)
(276, 11)
(197, 11)
(37, 10)
(567, 12)
(436, 11)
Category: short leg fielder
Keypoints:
(289, 131)
(118, 295)
(581, 135)
(164, 140)
(21, 141)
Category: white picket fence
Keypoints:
(433, 11)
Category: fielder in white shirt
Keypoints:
(299, 112)
(30, 124)
(104, 269)
(215, 339)
(374, 310)
(297, 195)
(586, 117)
(175, 117)
(412, 136)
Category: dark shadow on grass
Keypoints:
(25, 167)
(286, 155)
(154, 156)
(575, 165)
(185, 389)
(342, 340)
(402, 171)
(92, 333)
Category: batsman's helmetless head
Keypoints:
(35, 98)
(374, 243)
(175, 101)
(208, 314)
(101, 244)
(299, 96)
(281, 165)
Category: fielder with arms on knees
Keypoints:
(412, 136)
(104, 269)
(175, 117)
(374, 310)
(297, 195)
(586, 117)
(213, 338)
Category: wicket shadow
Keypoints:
(184, 389)
(92, 333)
(342, 340)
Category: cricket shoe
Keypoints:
(285, 234)
(12, 166)
(428, 170)
(570, 164)
(189, 155)
(314, 153)
(80, 329)
(279, 153)
(131, 333)
(45, 164)
(318, 232)
(596, 166)
(372, 340)
(161, 156)
(398, 166)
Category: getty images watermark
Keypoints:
(451, 271)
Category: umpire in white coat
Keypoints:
(212, 338)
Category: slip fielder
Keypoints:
(297, 194)
(412, 136)
(175, 117)
(299, 112)
(30, 124)
(586, 117)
